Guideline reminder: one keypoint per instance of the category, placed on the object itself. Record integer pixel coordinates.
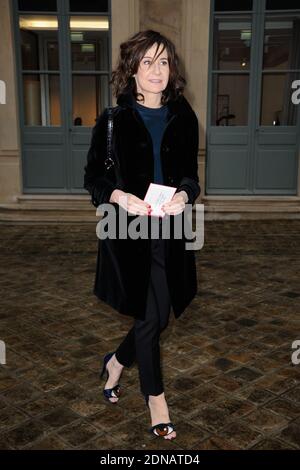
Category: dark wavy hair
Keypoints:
(132, 52)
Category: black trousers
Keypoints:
(142, 341)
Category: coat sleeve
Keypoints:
(190, 181)
(96, 180)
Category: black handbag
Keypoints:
(111, 160)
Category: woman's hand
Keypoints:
(177, 204)
(131, 203)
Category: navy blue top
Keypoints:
(155, 120)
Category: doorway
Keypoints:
(63, 55)
(253, 127)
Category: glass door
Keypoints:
(89, 48)
(63, 60)
(276, 134)
(252, 131)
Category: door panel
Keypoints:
(64, 61)
(276, 135)
(43, 142)
(228, 132)
(253, 126)
(276, 170)
(235, 137)
(89, 49)
(44, 167)
(79, 156)
(228, 168)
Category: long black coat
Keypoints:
(123, 265)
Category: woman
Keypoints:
(155, 139)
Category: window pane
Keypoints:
(276, 103)
(89, 23)
(282, 5)
(90, 43)
(233, 5)
(32, 100)
(29, 48)
(52, 55)
(89, 5)
(37, 5)
(232, 44)
(230, 100)
(90, 97)
(41, 100)
(54, 100)
(39, 43)
(281, 43)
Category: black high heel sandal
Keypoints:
(110, 392)
(161, 429)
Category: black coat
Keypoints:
(123, 265)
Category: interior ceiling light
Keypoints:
(87, 48)
(245, 34)
(76, 37)
(76, 22)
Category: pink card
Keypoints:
(157, 195)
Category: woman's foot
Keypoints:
(159, 412)
(115, 370)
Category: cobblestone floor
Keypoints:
(229, 379)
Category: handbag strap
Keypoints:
(109, 162)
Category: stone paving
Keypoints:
(229, 379)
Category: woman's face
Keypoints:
(153, 78)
